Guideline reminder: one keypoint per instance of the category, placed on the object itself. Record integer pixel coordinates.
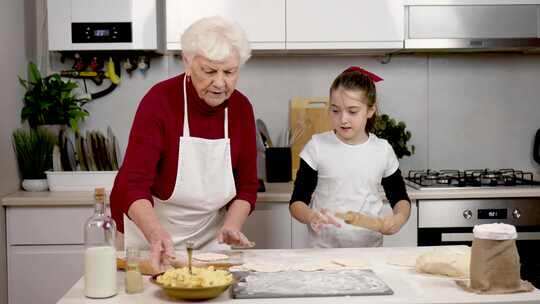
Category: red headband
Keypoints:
(371, 76)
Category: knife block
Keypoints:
(278, 165)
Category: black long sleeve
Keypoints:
(305, 183)
(394, 188)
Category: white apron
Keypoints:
(204, 185)
(342, 195)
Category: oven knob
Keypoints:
(467, 214)
(516, 213)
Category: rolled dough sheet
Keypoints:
(403, 260)
(209, 256)
(351, 263)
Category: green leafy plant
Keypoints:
(395, 133)
(49, 100)
(33, 148)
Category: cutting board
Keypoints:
(308, 116)
(328, 283)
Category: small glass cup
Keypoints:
(133, 280)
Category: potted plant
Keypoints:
(50, 101)
(34, 149)
(394, 132)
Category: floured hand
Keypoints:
(233, 237)
(322, 219)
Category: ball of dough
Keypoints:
(448, 261)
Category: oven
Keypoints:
(477, 197)
(450, 222)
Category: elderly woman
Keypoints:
(189, 172)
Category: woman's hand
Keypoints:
(392, 224)
(233, 237)
(320, 220)
(161, 249)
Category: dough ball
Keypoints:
(449, 261)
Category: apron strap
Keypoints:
(186, 121)
(226, 123)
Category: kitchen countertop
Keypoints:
(408, 286)
(470, 2)
(275, 192)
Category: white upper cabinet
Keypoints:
(263, 20)
(345, 24)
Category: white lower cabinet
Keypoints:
(45, 247)
(299, 235)
(269, 226)
(43, 274)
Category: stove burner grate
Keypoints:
(471, 178)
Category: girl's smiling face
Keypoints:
(349, 113)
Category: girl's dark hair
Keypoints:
(356, 81)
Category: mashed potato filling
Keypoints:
(201, 277)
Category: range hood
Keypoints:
(472, 27)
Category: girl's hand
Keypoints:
(320, 220)
(233, 237)
(392, 224)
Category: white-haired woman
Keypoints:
(189, 173)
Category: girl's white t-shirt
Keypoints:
(365, 164)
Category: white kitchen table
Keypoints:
(408, 286)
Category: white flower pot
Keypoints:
(34, 185)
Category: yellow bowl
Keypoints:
(191, 293)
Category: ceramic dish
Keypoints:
(194, 293)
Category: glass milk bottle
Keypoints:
(100, 253)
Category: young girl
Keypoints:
(341, 170)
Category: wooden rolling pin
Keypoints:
(361, 220)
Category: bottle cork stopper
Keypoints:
(99, 194)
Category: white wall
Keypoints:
(464, 110)
(13, 57)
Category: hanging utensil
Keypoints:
(287, 138)
(536, 147)
(264, 133)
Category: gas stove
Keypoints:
(469, 179)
